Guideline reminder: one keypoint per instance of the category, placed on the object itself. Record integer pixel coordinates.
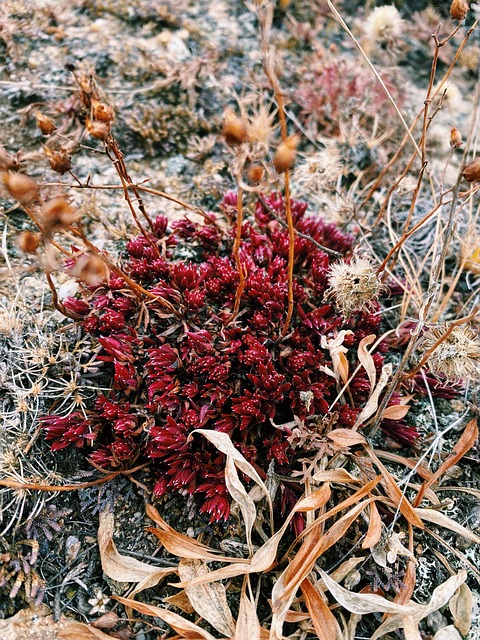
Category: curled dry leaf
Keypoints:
(241, 497)
(336, 475)
(322, 618)
(346, 437)
(81, 631)
(396, 412)
(374, 532)
(208, 600)
(124, 568)
(467, 440)
(185, 628)
(440, 519)
(248, 626)
(366, 360)
(223, 443)
(461, 606)
(372, 402)
(447, 633)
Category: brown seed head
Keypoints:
(90, 269)
(235, 129)
(57, 214)
(255, 173)
(102, 112)
(45, 124)
(107, 621)
(459, 9)
(28, 241)
(471, 173)
(59, 159)
(455, 138)
(21, 187)
(286, 153)
(7, 161)
(97, 128)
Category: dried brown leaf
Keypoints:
(440, 519)
(208, 599)
(346, 437)
(395, 412)
(248, 626)
(184, 627)
(366, 360)
(241, 497)
(81, 631)
(372, 402)
(181, 601)
(374, 532)
(323, 620)
(461, 606)
(447, 633)
(336, 475)
(124, 568)
(466, 441)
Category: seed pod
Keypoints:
(455, 138)
(28, 241)
(255, 173)
(471, 173)
(459, 9)
(45, 124)
(286, 153)
(57, 214)
(97, 128)
(235, 129)
(102, 112)
(90, 269)
(21, 187)
(59, 159)
(107, 621)
(7, 161)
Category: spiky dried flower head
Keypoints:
(102, 112)
(21, 187)
(45, 124)
(471, 173)
(456, 357)
(354, 285)
(459, 9)
(384, 25)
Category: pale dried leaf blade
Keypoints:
(395, 412)
(81, 631)
(447, 633)
(315, 500)
(366, 360)
(181, 601)
(322, 618)
(209, 599)
(184, 627)
(440, 597)
(461, 607)
(440, 519)
(241, 497)
(372, 402)
(336, 475)
(374, 532)
(123, 568)
(410, 629)
(248, 626)
(346, 437)
(185, 547)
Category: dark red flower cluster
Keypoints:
(174, 372)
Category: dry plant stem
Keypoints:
(112, 146)
(36, 486)
(136, 288)
(343, 24)
(327, 250)
(265, 19)
(236, 254)
(398, 153)
(41, 228)
(429, 298)
(56, 302)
